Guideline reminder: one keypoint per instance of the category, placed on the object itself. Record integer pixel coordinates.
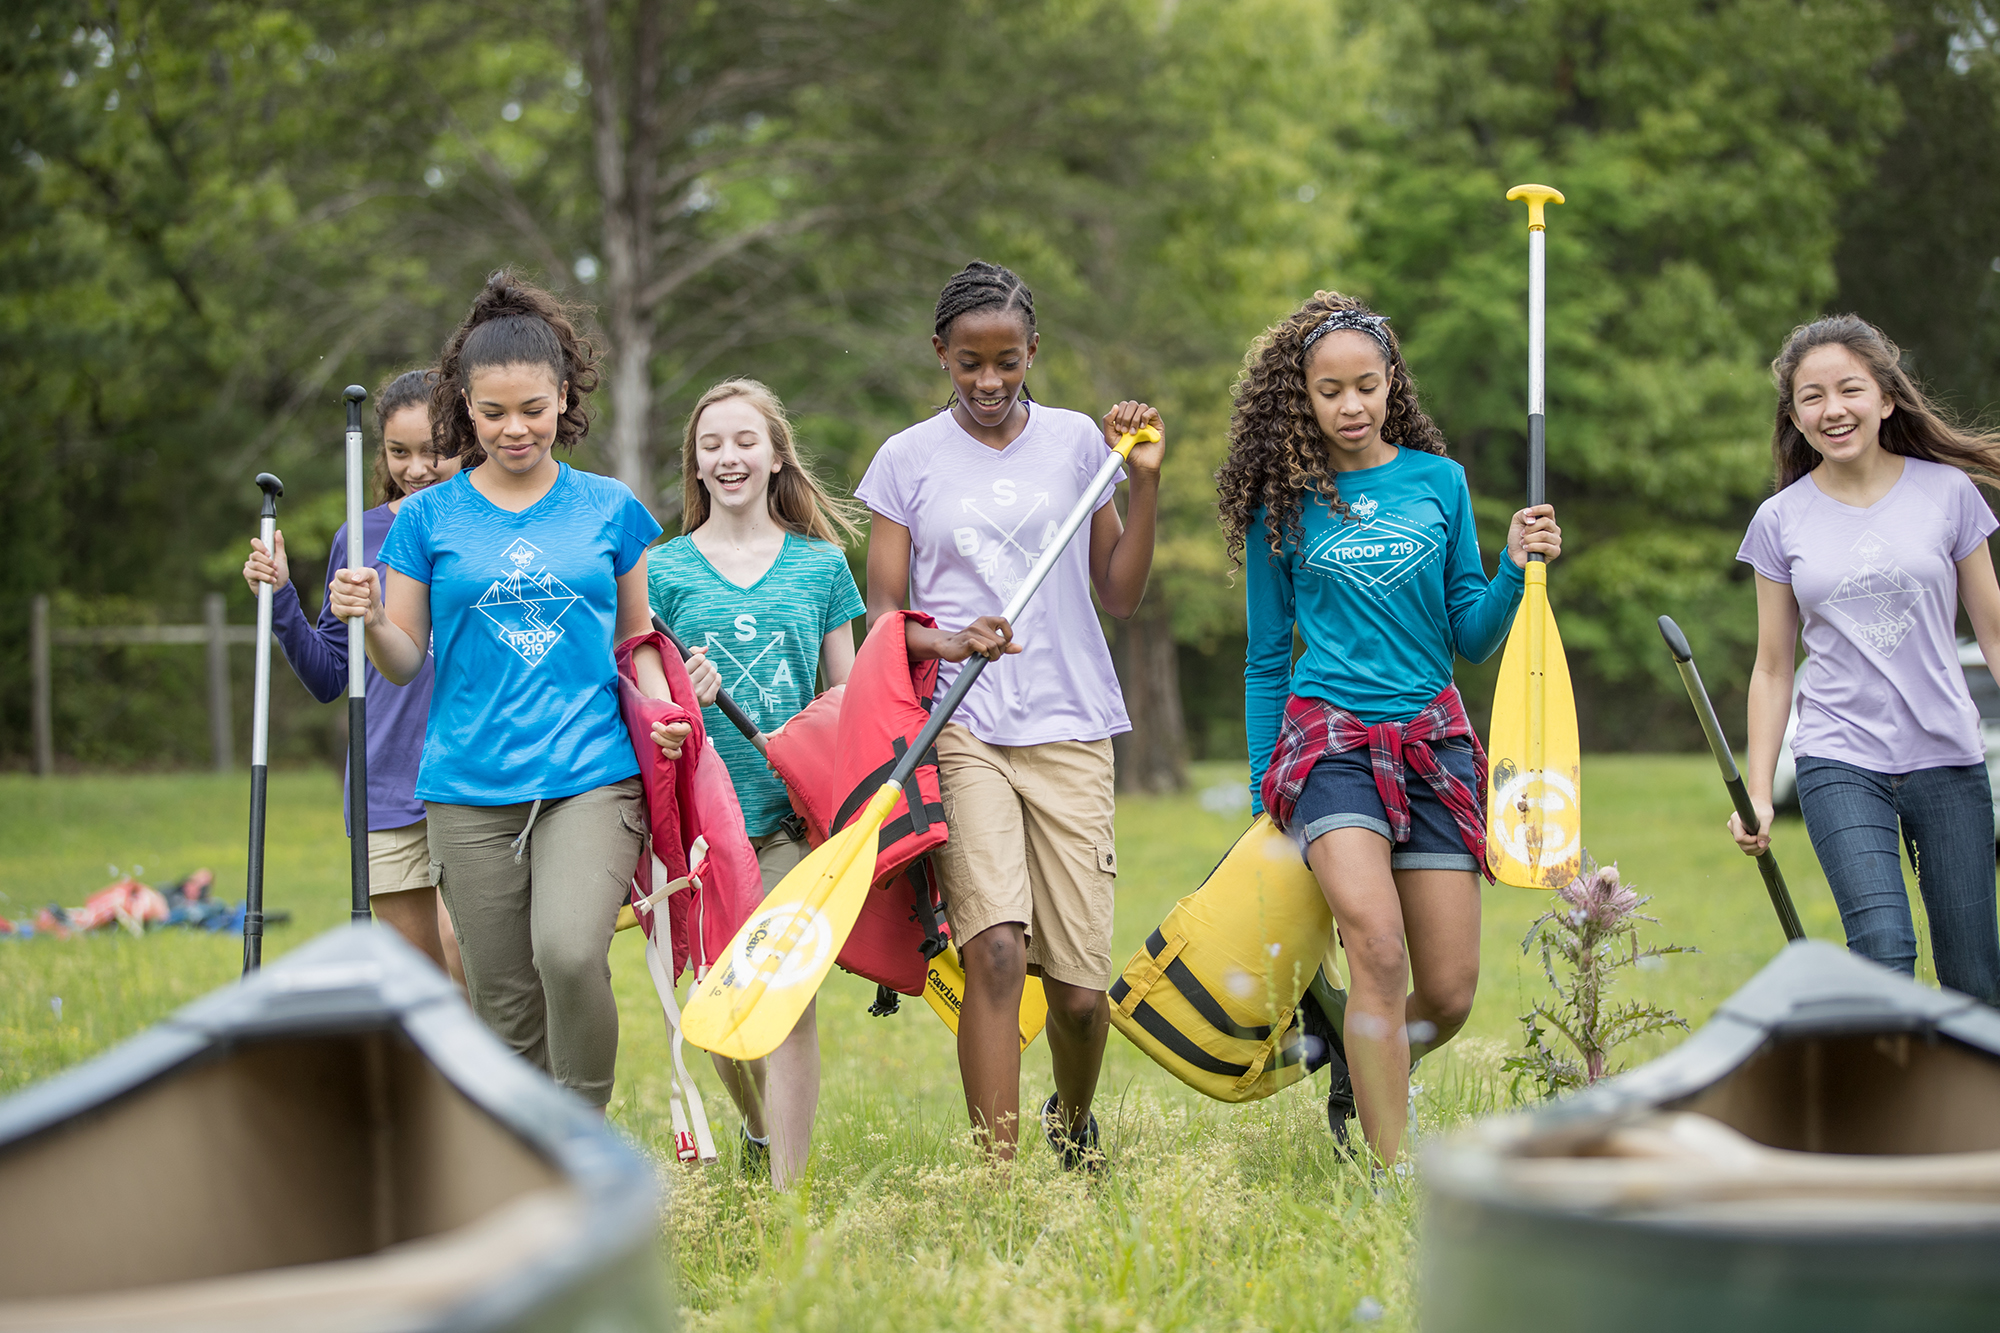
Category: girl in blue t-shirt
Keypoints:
(759, 589)
(524, 574)
(399, 869)
(1358, 531)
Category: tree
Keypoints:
(1706, 152)
(1920, 247)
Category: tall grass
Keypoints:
(1207, 1216)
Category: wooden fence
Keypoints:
(213, 633)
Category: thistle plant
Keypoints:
(1593, 927)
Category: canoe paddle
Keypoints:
(1774, 879)
(1534, 811)
(752, 997)
(260, 740)
(357, 675)
(944, 981)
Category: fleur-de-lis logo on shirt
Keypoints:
(1363, 509)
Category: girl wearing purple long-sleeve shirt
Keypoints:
(400, 888)
(1876, 537)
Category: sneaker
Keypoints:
(1073, 1152)
(1323, 1012)
(754, 1158)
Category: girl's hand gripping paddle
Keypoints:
(753, 996)
(1774, 879)
(1534, 812)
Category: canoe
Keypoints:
(1824, 1153)
(334, 1143)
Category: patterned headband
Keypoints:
(1375, 326)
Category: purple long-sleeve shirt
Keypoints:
(396, 713)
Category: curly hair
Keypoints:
(1276, 449)
(511, 323)
(1916, 429)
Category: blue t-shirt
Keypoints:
(523, 610)
(1382, 599)
(764, 639)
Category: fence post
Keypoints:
(218, 682)
(38, 669)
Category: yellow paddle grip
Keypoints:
(1536, 195)
(1132, 437)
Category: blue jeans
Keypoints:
(1946, 823)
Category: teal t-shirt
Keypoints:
(764, 639)
(1382, 599)
(523, 609)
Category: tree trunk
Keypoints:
(1153, 758)
(624, 131)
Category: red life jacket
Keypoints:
(835, 754)
(698, 849)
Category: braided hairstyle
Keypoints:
(983, 286)
(511, 323)
(1276, 449)
(1916, 429)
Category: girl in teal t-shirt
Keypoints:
(758, 589)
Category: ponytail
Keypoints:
(512, 323)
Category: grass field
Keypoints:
(1208, 1217)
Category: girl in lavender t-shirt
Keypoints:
(1875, 537)
(963, 505)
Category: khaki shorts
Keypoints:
(777, 854)
(399, 859)
(1032, 842)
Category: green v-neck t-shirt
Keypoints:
(764, 639)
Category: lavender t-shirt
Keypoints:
(1878, 592)
(978, 518)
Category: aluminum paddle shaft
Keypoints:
(357, 670)
(1774, 879)
(260, 740)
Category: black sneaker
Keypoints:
(1327, 1051)
(754, 1158)
(1080, 1150)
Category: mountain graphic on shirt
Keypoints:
(1877, 601)
(525, 607)
(1378, 554)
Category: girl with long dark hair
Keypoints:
(1875, 538)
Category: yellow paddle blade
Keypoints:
(750, 999)
(944, 990)
(1534, 801)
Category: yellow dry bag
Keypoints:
(1213, 995)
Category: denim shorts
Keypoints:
(1340, 793)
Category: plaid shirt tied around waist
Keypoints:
(1314, 728)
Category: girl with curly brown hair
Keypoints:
(1357, 531)
(523, 574)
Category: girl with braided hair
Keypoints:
(963, 505)
(523, 574)
(1357, 531)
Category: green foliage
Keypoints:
(1920, 249)
(1706, 151)
(1593, 927)
(214, 215)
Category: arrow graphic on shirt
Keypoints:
(1041, 498)
(765, 697)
